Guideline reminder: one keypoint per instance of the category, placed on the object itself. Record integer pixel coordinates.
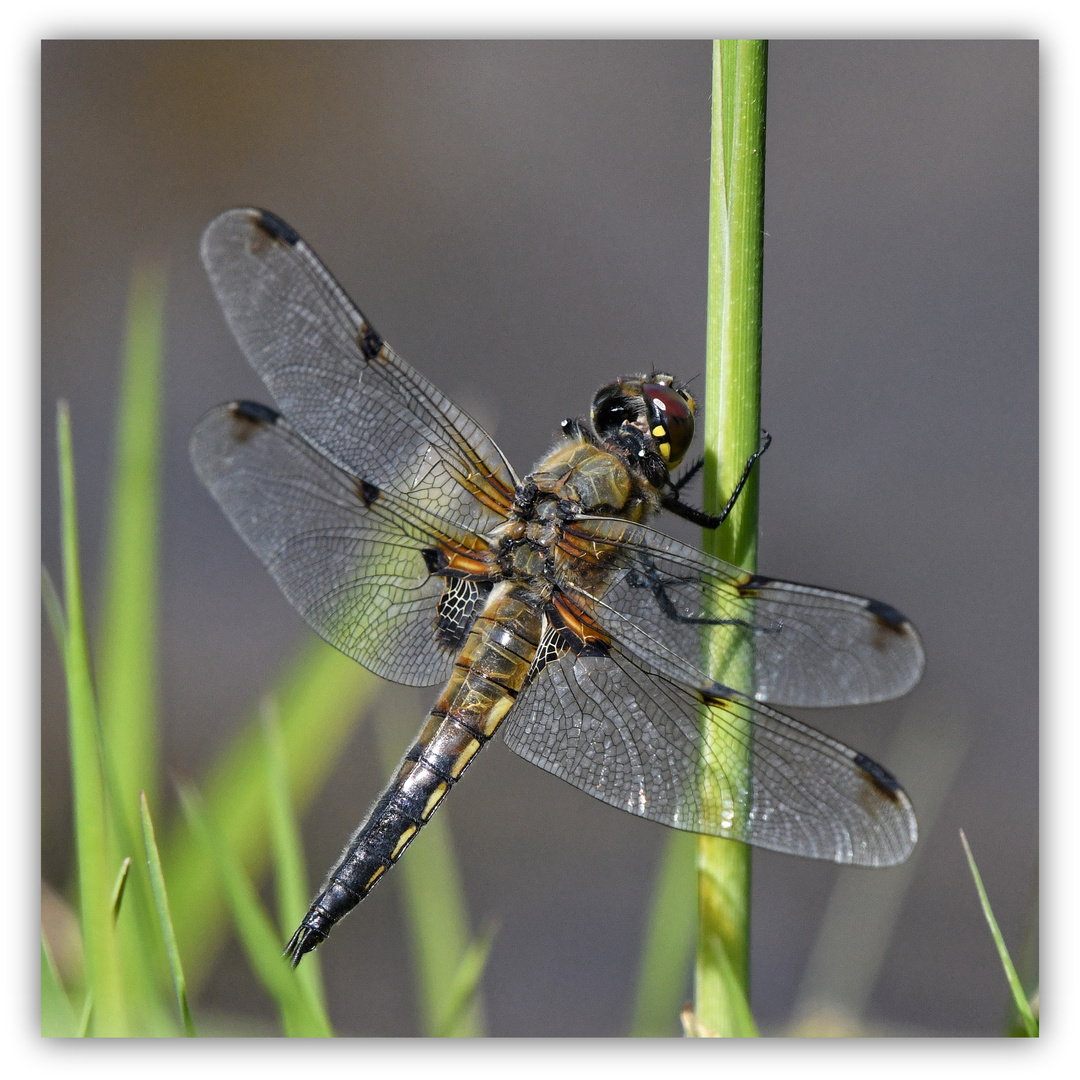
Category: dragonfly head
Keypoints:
(656, 405)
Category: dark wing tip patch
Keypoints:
(247, 416)
(276, 228)
(888, 616)
(881, 778)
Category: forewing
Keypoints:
(705, 760)
(348, 555)
(339, 384)
(805, 646)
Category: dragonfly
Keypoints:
(547, 607)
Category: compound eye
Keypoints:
(671, 421)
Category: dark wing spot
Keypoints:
(434, 559)
(369, 341)
(881, 778)
(716, 698)
(749, 588)
(887, 615)
(367, 491)
(248, 416)
(277, 229)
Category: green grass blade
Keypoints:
(127, 674)
(128, 662)
(57, 1016)
(1027, 960)
(92, 847)
(732, 432)
(258, 935)
(293, 894)
(321, 699)
(463, 985)
(437, 915)
(161, 900)
(1031, 1025)
(87, 1014)
(669, 941)
(119, 887)
(54, 611)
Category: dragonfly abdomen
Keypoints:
(487, 678)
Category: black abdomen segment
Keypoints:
(489, 674)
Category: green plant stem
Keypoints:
(732, 431)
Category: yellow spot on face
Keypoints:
(403, 839)
(433, 800)
(375, 877)
(665, 450)
(658, 431)
(464, 757)
(495, 715)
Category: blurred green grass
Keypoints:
(177, 905)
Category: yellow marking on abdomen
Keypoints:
(375, 877)
(495, 715)
(464, 757)
(434, 799)
(403, 839)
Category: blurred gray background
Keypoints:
(524, 221)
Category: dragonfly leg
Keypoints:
(675, 505)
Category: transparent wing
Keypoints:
(705, 759)
(355, 560)
(805, 646)
(339, 384)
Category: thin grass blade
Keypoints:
(1023, 1008)
(129, 632)
(57, 1016)
(258, 935)
(732, 431)
(119, 887)
(54, 611)
(128, 635)
(289, 871)
(161, 900)
(321, 699)
(92, 847)
(669, 941)
(464, 983)
(87, 1015)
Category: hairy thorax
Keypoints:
(576, 479)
